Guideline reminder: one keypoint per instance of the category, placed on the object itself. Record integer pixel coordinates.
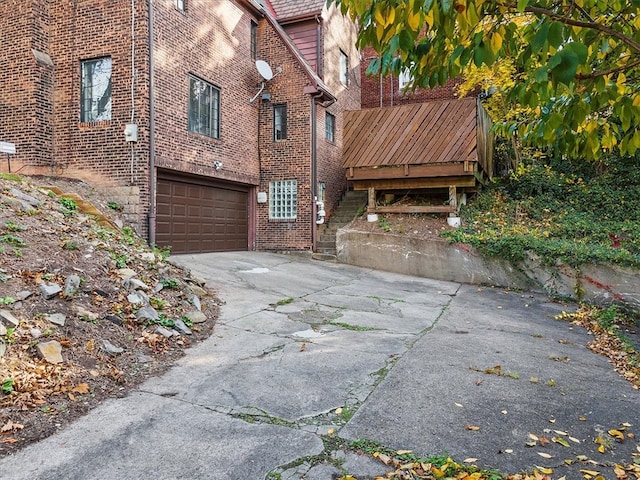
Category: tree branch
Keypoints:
(578, 23)
(588, 76)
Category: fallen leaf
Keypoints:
(544, 441)
(620, 472)
(504, 412)
(589, 472)
(470, 460)
(81, 388)
(574, 439)
(533, 437)
(552, 420)
(531, 443)
(71, 396)
(383, 458)
(472, 427)
(508, 450)
(331, 431)
(303, 347)
(338, 411)
(560, 441)
(458, 405)
(617, 434)
(544, 455)
(546, 471)
(560, 432)
(494, 371)
(9, 440)
(479, 381)
(601, 449)
(404, 452)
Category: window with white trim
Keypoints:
(180, 5)
(95, 93)
(405, 79)
(283, 200)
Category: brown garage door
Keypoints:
(193, 215)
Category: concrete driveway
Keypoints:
(434, 367)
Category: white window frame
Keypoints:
(280, 122)
(283, 200)
(405, 79)
(181, 5)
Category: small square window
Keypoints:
(330, 127)
(254, 40)
(283, 200)
(204, 108)
(95, 93)
(344, 68)
(180, 5)
(279, 122)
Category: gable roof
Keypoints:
(289, 9)
(420, 133)
(317, 87)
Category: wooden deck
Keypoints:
(445, 144)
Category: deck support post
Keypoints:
(371, 204)
(453, 200)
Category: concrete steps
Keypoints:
(351, 203)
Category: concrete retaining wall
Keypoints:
(441, 260)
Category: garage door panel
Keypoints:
(195, 217)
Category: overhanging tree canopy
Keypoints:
(577, 62)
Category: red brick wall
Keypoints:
(26, 85)
(385, 92)
(212, 42)
(288, 159)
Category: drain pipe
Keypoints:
(314, 172)
(152, 135)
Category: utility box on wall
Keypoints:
(131, 132)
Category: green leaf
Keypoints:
(542, 75)
(566, 70)
(447, 5)
(555, 34)
(522, 5)
(540, 39)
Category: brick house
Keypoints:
(166, 110)
(389, 91)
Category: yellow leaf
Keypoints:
(470, 460)
(617, 434)
(601, 449)
(544, 455)
(472, 427)
(560, 441)
(331, 431)
(338, 411)
(533, 437)
(413, 19)
(560, 432)
(546, 471)
(404, 452)
(589, 472)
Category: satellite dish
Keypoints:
(264, 70)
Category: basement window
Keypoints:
(95, 94)
(283, 200)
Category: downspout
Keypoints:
(314, 170)
(152, 132)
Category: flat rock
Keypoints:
(135, 284)
(196, 302)
(165, 333)
(147, 313)
(71, 285)
(34, 202)
(3, 330)
(51, 351)
(149, 257)
(24, 294)
(56, 318)
(50, 290)
(196, 316)
(85, 314)
(138, 298)
(110, 348)
(126, 273)
(181, 327)
(7, 317)
(114, 319)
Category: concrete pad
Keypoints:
(149, 437)
(547, 381)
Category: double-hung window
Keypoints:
(95, 94)
(329, 127)
(283, 200)
(180, 5)
(204, 108)
(279, 122)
